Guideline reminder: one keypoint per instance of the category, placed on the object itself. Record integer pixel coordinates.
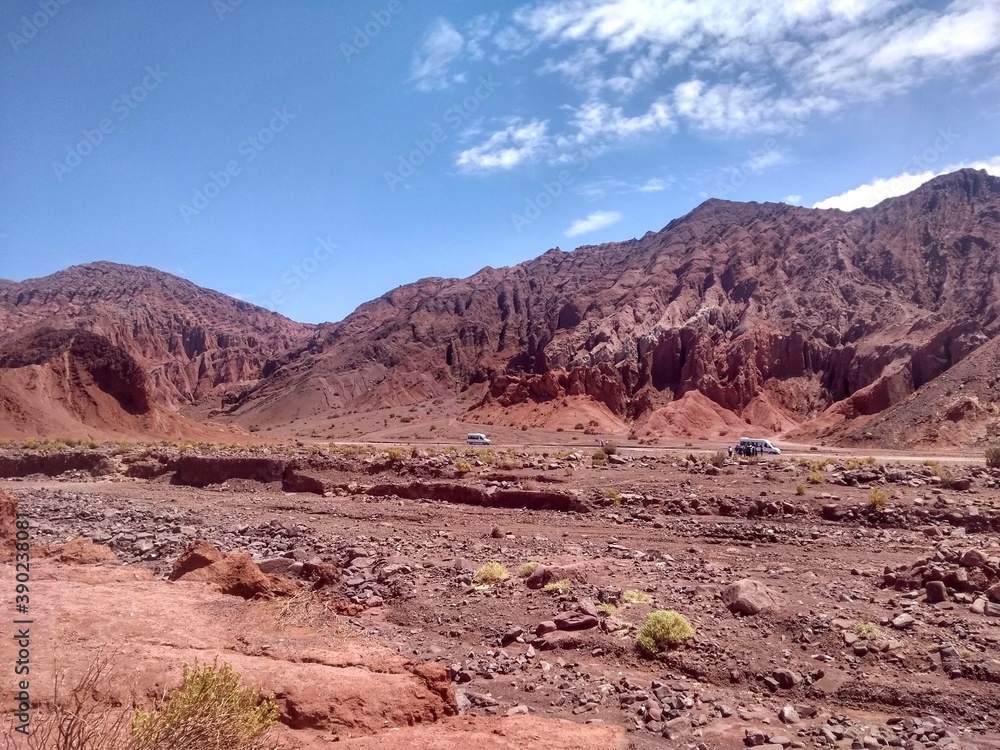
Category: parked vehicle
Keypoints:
(756, 446)
(477, 438)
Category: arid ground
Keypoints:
(837, 601)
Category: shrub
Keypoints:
(578, 426)
(718, 459)
(491, 572)
(631, 596)
(211, 710)
(993, 457)
(800, 488)
(877, 499)
(867, 629)
(496, 533)
(599, 457)
(527, 569)
(614, 496)
(663, 628)
(606, 609)
(558, 587)
(815, 477)
(463, 467)
(394, 454)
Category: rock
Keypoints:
(903, 621)
(993, 592)
(786, 678)
(199, 554)
(936, 592)
(545, 627)
(787, 715)
(992, 609)
(973, 558)
(276, 565)
(749, 597)
(544, 574)
(511, 636)
(575, 621)
(237, 575)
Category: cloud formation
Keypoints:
(596, 220)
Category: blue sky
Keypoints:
(308, 156)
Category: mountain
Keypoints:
(104, 347)
(736, 317)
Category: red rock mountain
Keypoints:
(104, 348)
(737, 313)
(782, 318)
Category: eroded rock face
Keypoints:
(8, 528)
(771, 313)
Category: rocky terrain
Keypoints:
(835, 601)
(738, 318)
(104, 349)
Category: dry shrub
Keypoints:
(491, 572)
(663, 629)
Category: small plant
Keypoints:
(599, 457)
(993, 457)
(578, 426)
(718, 459)
(211, 710)
(614, 496)
(867, 629)
(663, 628)
(527, 569)
(491, 572)
(800, 488)
(606, 609)
(877, 499)
(631, 596)
(815, 477)
(496, 533)
(394, 454)
(610, 448)
(557, 587)
(463, 467)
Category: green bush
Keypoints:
(877, 499)
(463, 467)
(815, 477)
(663, 628)
(211, 710)
(993, 457)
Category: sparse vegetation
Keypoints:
(463, 467)
(557, 587)
(491, 572)
(610, 448)
(606, 609)
(614, 496)
(599, 457)
(867, 629)
(800, 488)
(496, 533)
(718, 459)
(877, 499)
(211, 710)
(527, 569)
(993, 457)
(631, 596)
(663, 628)
(815, 477)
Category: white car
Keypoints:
(762, 446)
(477, 438)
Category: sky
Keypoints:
(310, 155)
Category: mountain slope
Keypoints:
(766, 314)
(106, 347)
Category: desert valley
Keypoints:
(207, 479)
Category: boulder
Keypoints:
(575, 621)
(936, 592)
(237, 575)
(749, 597)
(544, 574)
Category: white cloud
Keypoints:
(876, 191)
(441, 44)
(653, 185)
(794, 200)
(596, 220)
(514, 144)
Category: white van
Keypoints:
(746, 445)
(477, 438)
